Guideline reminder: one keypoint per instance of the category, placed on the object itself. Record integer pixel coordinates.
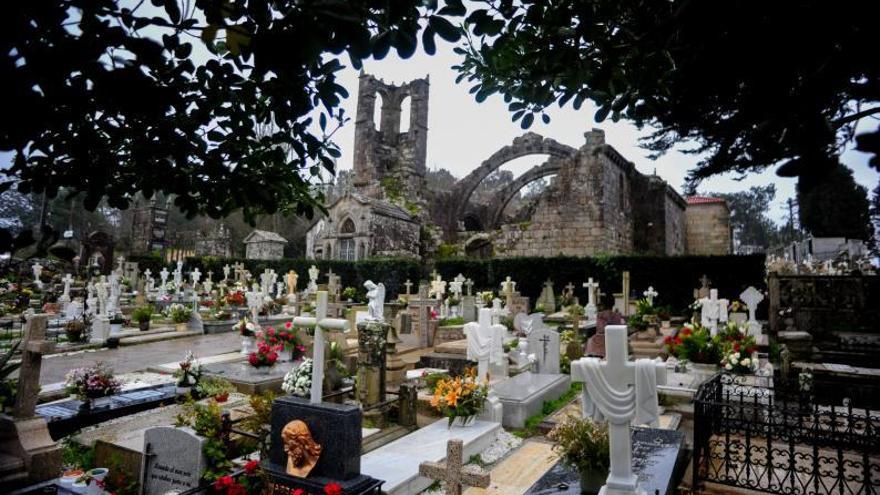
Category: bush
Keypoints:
(674, 277)
(142, 314)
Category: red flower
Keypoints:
(273, 340)
(253, 359)
(288, 325)
(298, 491)
(223, 482)
(686, 331)
(677, 341)
(251, 467)
(270, 331)
(332, 489)
(736, 347)
(237, 489)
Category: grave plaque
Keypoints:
(173, 460)
(544, 344)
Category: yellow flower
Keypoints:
(452, 398)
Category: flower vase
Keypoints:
(181, 327)
(247, 345)
(463, 421)
(97, 474)
(592, 481)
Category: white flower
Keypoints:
(728, 367)
(746, 362)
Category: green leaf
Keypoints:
(428, 41)
(527, 121)
(444, 28)
(602, 113)
(173, 10)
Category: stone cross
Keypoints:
(408, 286)
(319, 322)
(195, 275)
(592, 288)
(455, 288)
(254, 299)
(225, 271)
(148, 273)
(438, 288)
(423, 305)
(712, 311)
(435, 275)
(650, 294)
(752, 297)
(619, 403)
(485, 342)
(37, 269)
(68, 279)
(452, 472)
(34, 345)
(469, 285)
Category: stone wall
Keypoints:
(708, 228)
(586, 210)
(266, 250)
(659, 217)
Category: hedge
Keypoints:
(673, 277)
(393, 272)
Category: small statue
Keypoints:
(376, 304)
(301, 449)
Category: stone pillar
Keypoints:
(372, 344)
(408, 404)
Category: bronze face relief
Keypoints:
(301, 449)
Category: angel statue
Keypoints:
(376, 301)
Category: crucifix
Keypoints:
(620, 390)
(469, 285)
(452, 472)
(545, 340)
(319, 322)
(408, 286)
(591, 291)
(650, 294)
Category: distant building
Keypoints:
(708, 226)
(264, 245)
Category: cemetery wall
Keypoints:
(708, 228)
(674, 277)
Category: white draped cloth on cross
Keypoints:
(620, 391)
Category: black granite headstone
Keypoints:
(336, 427)
(658, 461)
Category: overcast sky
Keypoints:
(462, 133)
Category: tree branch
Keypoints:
(853, 117)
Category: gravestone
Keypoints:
(422, 318)
(173, 460)
(452, 472)
(547, 299)
(544, 344)
(752, 297)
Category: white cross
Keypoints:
(408, 285)
(712, 311)
(591, 291)
(196, 275)
(319, 322)
(68, 279)
(620, 374)
(650, 294)
(484, 342)
(508, 286)
(752, 297)
(225, 271)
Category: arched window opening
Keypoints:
(377, 112)
(405, 113)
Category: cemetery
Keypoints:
(205, 290)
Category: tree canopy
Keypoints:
(836, 207)
(106, 98)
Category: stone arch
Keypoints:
(550, 167)
(527, 144)
(405, 113)
(478, 246)
(347, 226)
(377, 112)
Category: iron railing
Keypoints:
(762, 439)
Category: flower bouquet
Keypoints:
(263, 358)
(298, 381)
(235, 298)
(291, 345)
(92, 383)
(180, 315)
(693, 343)
(189, 371)
(460, 399)
(246, 328)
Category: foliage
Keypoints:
(582, 443)
(836, 206)
(349, 293)
(298, 381)
(749, 217)
(693, 71)
(8, 386)
(548, 408)
(458, 320)
(76, 455)
(92, 382)
(693, 343)
(142, 314)
(645, 315)
(674, 277)
(179, 313)
(118, 480)
(206, 419)
(460, 397)
(245, 328)
(212, 386)
(448, 251)
(432, 379)
(261, 404)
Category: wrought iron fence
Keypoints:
(761, 439)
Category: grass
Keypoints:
(549, 407)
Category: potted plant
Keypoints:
(292, 349)
(584, 446)
(216, 388)
(188, 373)
(116, 322)
(180, 315)
(93, 385)
(349, 294)
(460, 399)
(142, 316)
(263, 359)
(247, 330)
(74, 330)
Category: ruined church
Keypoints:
(596, 201)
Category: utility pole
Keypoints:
(791, 218)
